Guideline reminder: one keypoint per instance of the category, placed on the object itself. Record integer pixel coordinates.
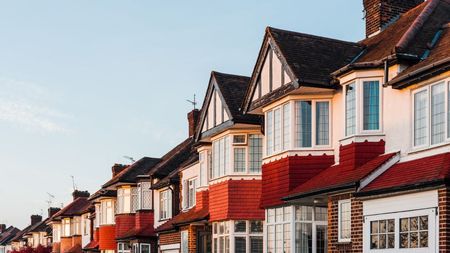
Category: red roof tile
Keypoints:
(183, 218)
(411, 173)
(91, 245)
(339, 176)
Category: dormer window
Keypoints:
(306, 126)
(362, 107)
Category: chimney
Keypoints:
(193, 118)
(117, 168)
(2, 228)
(52, 211)
(35, 219)
(380, 13)
(78, 194)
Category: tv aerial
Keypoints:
(193, 102)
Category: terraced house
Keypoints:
(327, 146)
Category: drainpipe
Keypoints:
(386, 72)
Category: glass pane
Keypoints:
(413, 224)
(437, 113)
(371, 105)
(271, 215)
(287, 213)
(277, 129)
(321, 239)
(279, 214)
(256, 226)
(423, 239)
(255, 153)
(286, 126)
(374, 241)
(240, 226)
(391, 241)
(256, 244)
(303, 213)
(423, 222)
(404, 225)
(321, 214)
(215, 245)
(382, 241)
(287, 238)
(374, 227)
(271, 239)
(403, 240)
(269, 133)
(240, 245)
(303, 123)
(239, 159)
(414, 240)
(345, 220)
(391, 226)
(420, 118)
(279, 238)
(350, 109)
(383, 226)
(303, 237)
(322, 123)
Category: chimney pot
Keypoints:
(117, 168)
(193, 118)
(78, 194)
(35, 219)
(52, 211)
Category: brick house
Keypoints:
(6, 235)
(343, 171)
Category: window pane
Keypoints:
(303, 123)
(255, 153)
(256, 244)
(286, 126)
(420, 118)
(345, 220)
(256, 226)
(279, 237)
(437, 113)
(271, 239)
(371, 117)
(321, 214)
(303, 237)
(287, 238)
(277, 129)
(240, 226)
(269, 133)
(321, 239)
(350, 109)
(239, 159)
(240, 245)
(303, 213)
(322, 123)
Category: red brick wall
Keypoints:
(144, 218)
(76, 239)
(281, 176)
(202, 200)
(124, 223)
(65, 244)
(169, 238)
(444, 219)
(107, 235)
(356, 244)
(235, 199)
(358, 153)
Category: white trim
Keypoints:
(385, 166)
(170, 246)
(146, 244)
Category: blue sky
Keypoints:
(83, 83)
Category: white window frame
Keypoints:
(168, 205)
(145, 244)
(359, 107)
(184, 241)
(427, 88)
(121, 248)
(185, 196)
(107, 211)
(239, 143)
(340, 202)
(293, 127)
(66, 227)
(144, 189)
(216, 236)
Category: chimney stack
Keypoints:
(78, 194)
(117, 168)
(2, 228)
(52, 211)
(193, 118)
(35, 219)
(381, 13)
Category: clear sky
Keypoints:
(83, 83)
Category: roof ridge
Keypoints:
(418, 23)
(269, 28)
(213, 72)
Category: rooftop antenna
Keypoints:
(73, 183)
(193, 102)
(50, 199)
(129, 158)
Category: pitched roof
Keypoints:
(8, 235)
(338, 177)
(182, 218)
(75, 208)
(102, 193)
(411, 175)
(173, 176)
(92, 245)
(129, 174)
(40, 227)
(147, 231)
(173, 159)
(75, 249)
(19, 235)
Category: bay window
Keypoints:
(309, 121)
(107, 212)
(236, 157)
(56, 234)
(66, 230)
(76, 223)
(127, 200)
(362, 107)
(431, 117)
(238, 236)
(123, 248)
(296, 229)
(221, 237)
(165, 205)
(204, 163)
(144, 196)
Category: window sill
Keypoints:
(344, 242)
(428, 148)
(375, 137)
(165, 219)
(300, 152)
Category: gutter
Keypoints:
(313, 193)
(433, 183)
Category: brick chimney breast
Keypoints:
(381, 13)
(52, 211)
(2, 228)
(117, 168)
(78, 194)
(193, 118)
(35, 219)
